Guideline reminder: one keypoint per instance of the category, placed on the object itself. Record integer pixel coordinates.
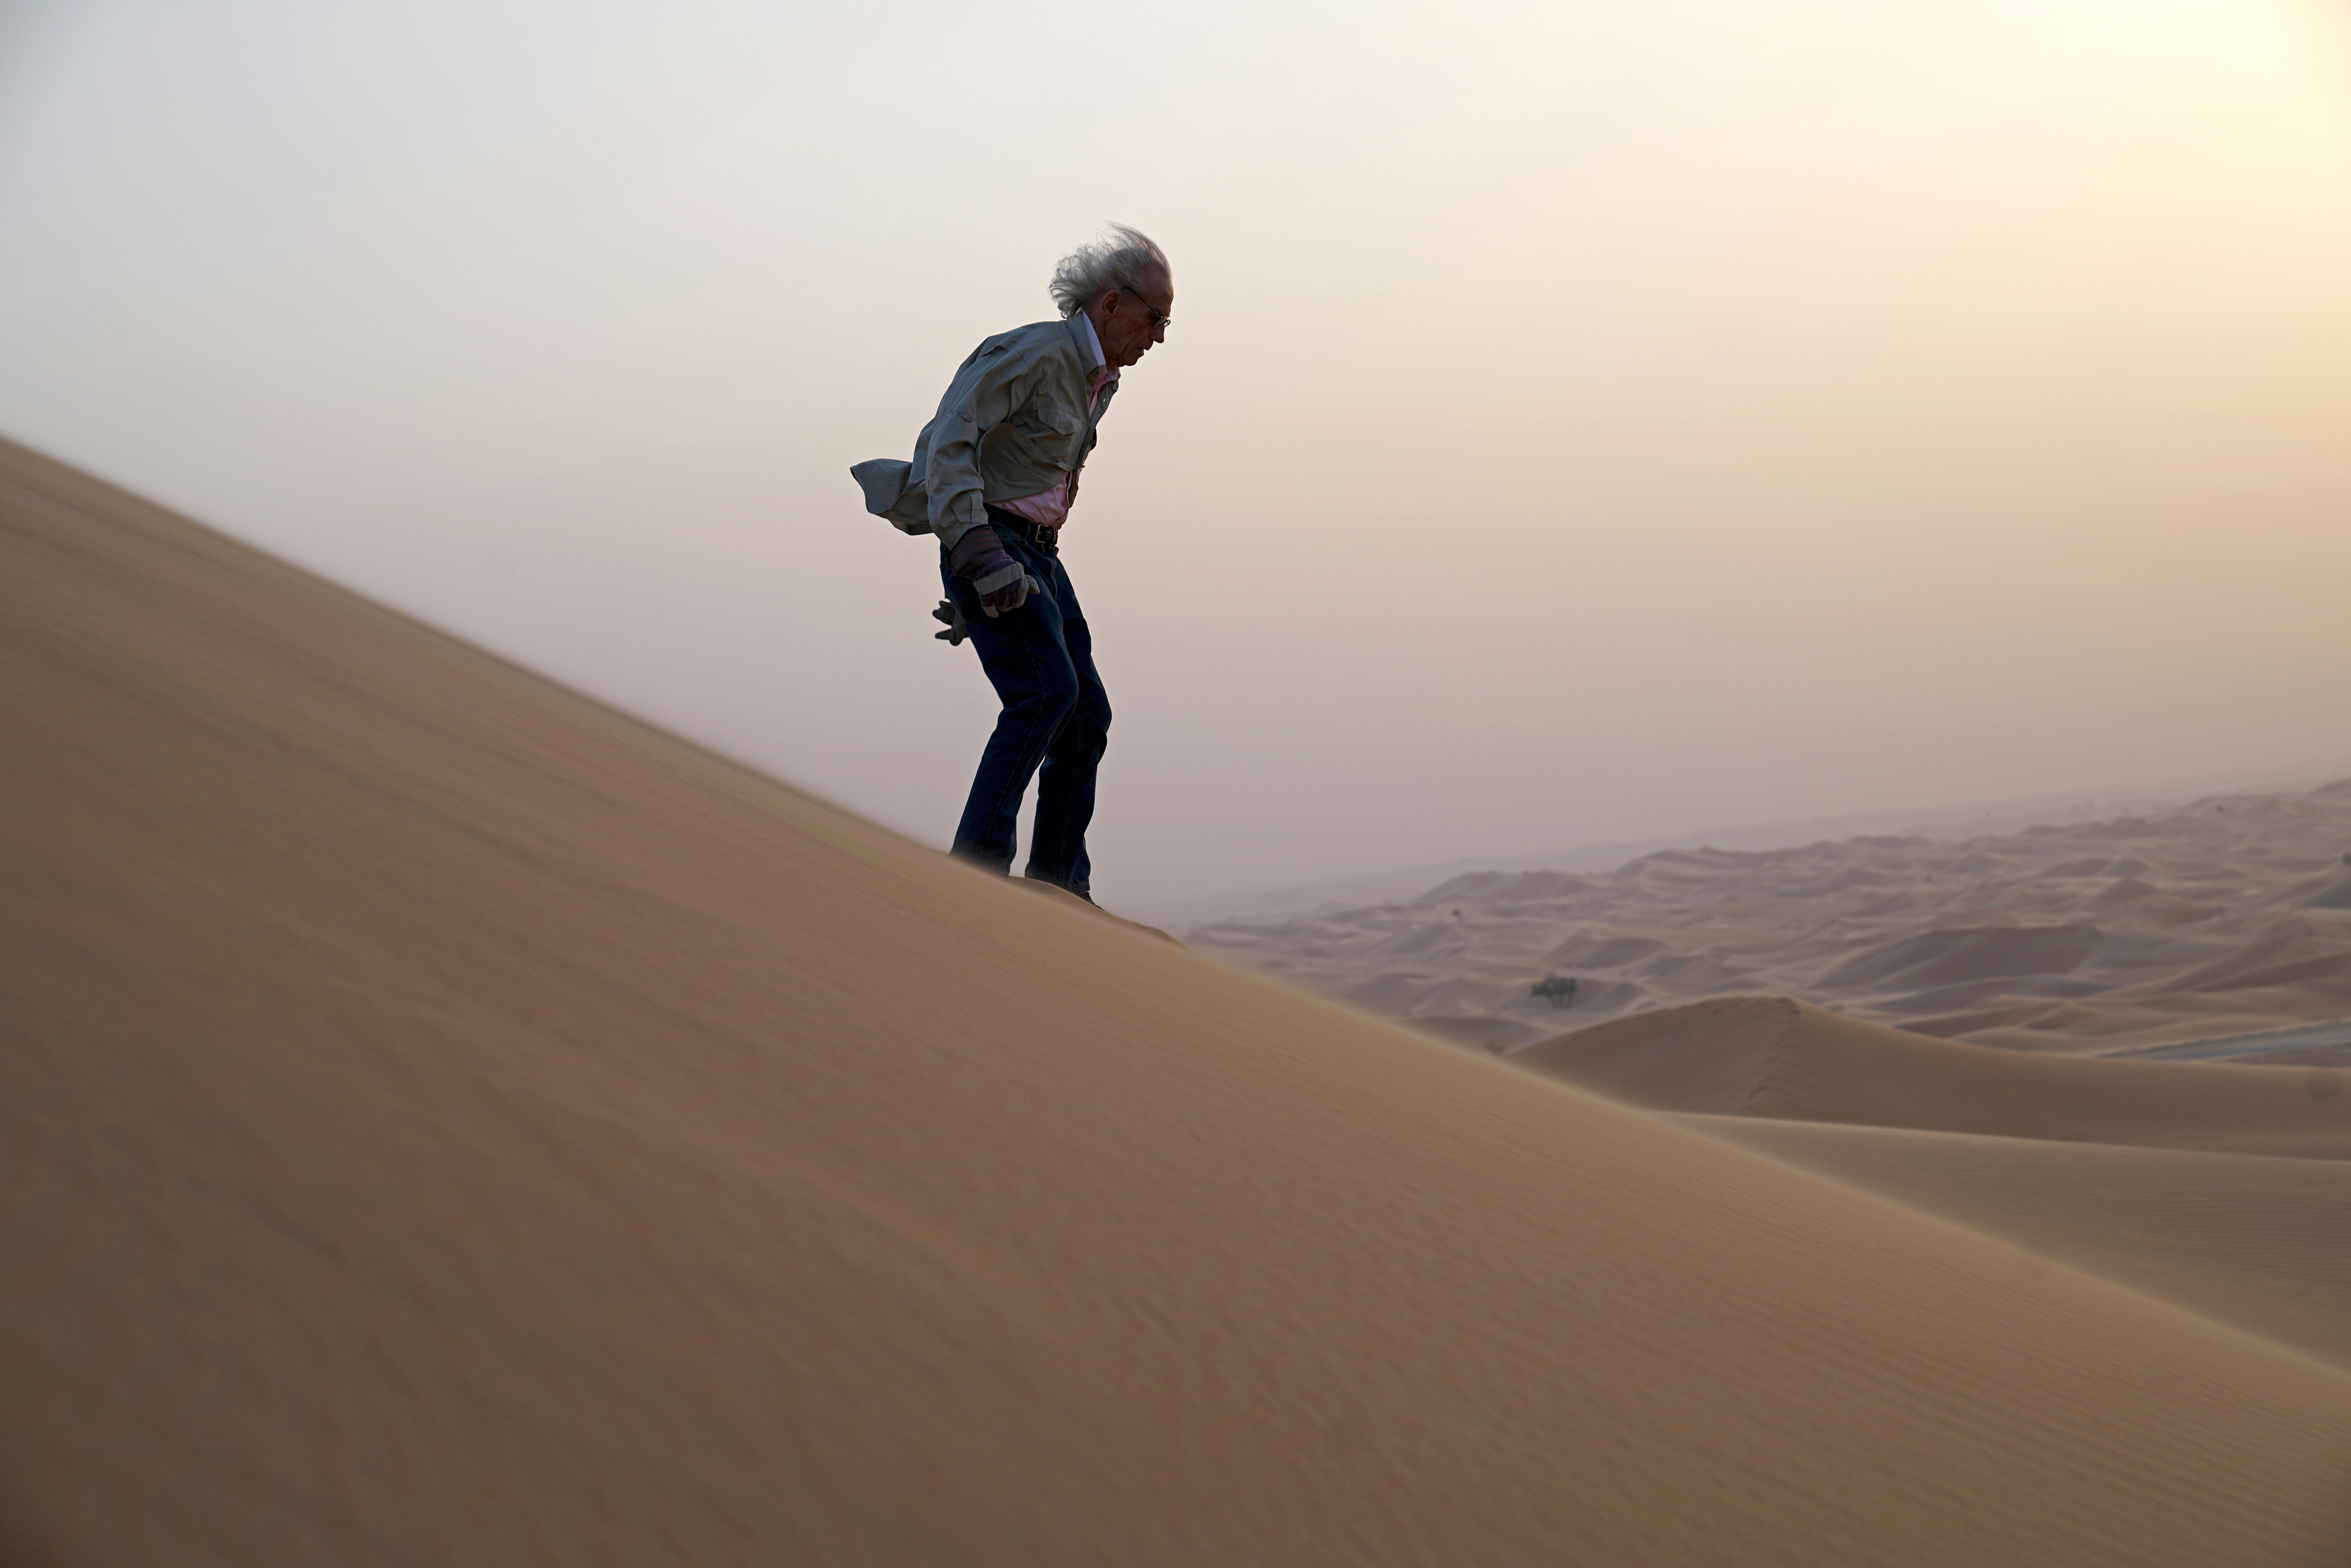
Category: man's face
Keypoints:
(1128, 322)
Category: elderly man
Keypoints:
(994, 475)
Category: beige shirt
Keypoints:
(1017, 421)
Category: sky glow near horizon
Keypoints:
(1581, 423)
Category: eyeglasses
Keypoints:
(1158, 321)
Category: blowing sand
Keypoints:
(443, 1121)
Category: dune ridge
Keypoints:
(1778, 1057)
(440, 1119)
(2164, 1177)
(2252, 1241)
(2223, 915)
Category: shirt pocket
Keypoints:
(1053, 430)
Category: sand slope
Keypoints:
(1774, 1056)
(2251, 1241)
(443, 1121)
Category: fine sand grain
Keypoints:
(441, 1121)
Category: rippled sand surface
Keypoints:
(441, 1121)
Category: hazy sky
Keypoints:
(1581, 422)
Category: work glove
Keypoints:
(980, 559)
(1007, 587)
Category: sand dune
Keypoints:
(1957, 956)
(2251, 1241)
(1774, 1056)
(2223, 916)
(443, 1121)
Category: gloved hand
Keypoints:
(980, 559)
(1007, 587)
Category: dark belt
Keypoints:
(1034, 535)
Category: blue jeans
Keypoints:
(1040, 660)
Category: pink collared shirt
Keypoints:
(1050, 508)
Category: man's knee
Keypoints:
(1032, 671)
(1059, 694)
(1085, 734)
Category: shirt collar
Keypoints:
(1093, 341)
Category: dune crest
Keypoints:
(2255, 1242)
(443, 1119)
(1778, 1057)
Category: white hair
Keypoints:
(1122, 258)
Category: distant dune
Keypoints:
(443, 1120)
(2230, 915)
(1773, 1056)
